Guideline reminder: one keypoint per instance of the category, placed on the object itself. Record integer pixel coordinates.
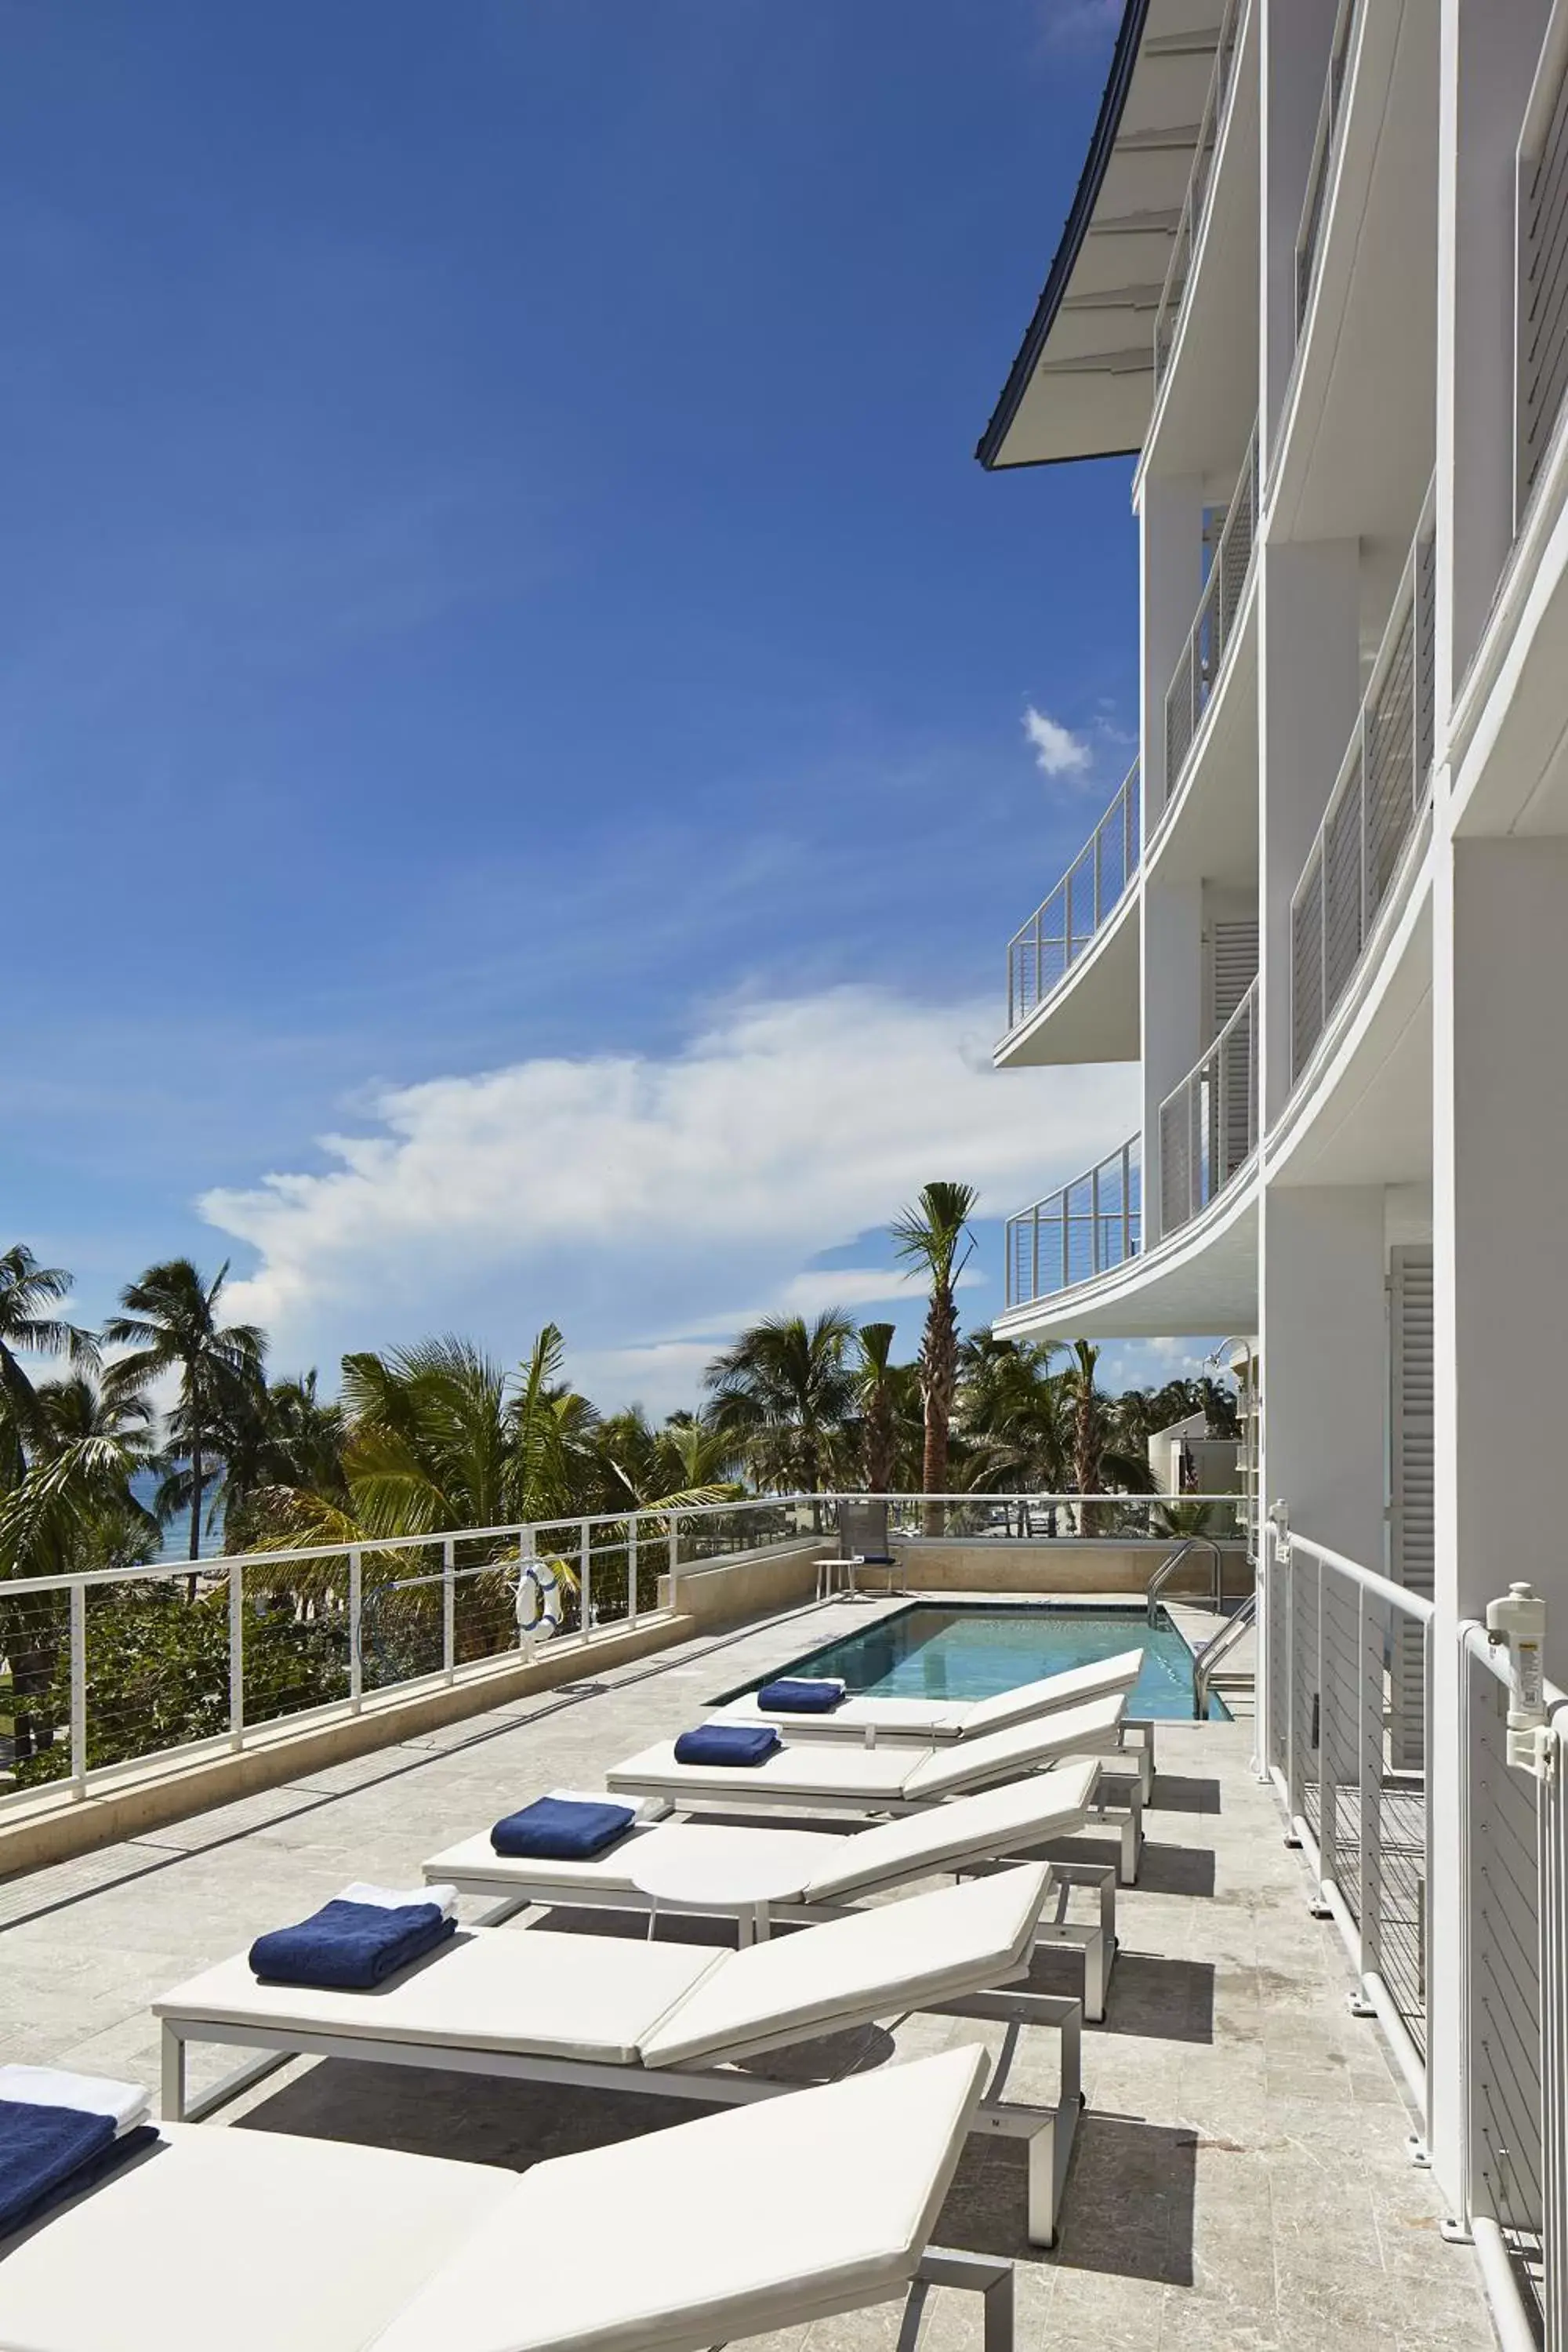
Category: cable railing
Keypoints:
(1208, 1124)
(103, 1672)
(1194, 203)
(118, 1673)
(1347, 1673)
(1382, 790)
(1202, 660)
(1042, 953)
(1541, 362)
(1081, 1229)
(1325, 149)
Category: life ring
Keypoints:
(538, 1599)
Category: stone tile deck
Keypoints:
(1241, 2180)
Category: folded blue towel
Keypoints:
(557, 1829)
(799, 1694)
(727, 1743)
(349, 1947)
(48, 2154)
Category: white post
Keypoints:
(584, 1584)
(449, 1607)
(674, 1559)
(79, 1687)
(356, 1647)
(235, 1655)
(632, 1570)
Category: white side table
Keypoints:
(733, 1872)
(835, 1573)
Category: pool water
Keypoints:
(928, 1652)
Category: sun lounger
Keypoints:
(834, 1869)
(936, 1720)
(831, 1775)
(675, 2020)
(729, 2226)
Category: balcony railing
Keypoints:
(1208, 1125)
(1383, 788)
(1189, 228)
(1043, 952)
(1084, 1229)
(1325, 148)
(1202, 661)
(1541, 300)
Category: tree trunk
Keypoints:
(939, 1380)
(196, 1550)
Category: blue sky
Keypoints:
(512, 686)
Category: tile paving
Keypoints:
(1241, 2182)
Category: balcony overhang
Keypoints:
(1093, 1015)
(1204, 1277)
(1083, 382)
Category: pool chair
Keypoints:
(674, 2020)
(826, 1775)
(936, 1720)
(760, 1875)
(728, 2227)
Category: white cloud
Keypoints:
(1058, 751)
(1079, 24)
(635, 1199)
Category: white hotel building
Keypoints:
(1315, 279)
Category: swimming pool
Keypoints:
(974, 1650)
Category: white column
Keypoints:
(1309, 694)
(1171, 543)
(1297, 35)
(1489, 49)
(1499, 1165)
(1173, 1014)
(1323, 1347)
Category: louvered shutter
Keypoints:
(1412, 1549)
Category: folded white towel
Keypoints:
(643, 1809)
(92, 2095)
(398, 1898)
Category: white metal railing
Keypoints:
(1383, 787)
(1081, 1229)
(1208, 1124)
(1347, 1677)
(116, 1672)
(1541, 264)
(103, 1672)
(1194, 203)
(1042, 953)
(1202, 660)
(1325, 149)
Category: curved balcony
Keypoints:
(1325, 149)
(1201, 665)
(1208, 1124)
(1066, 935)
(1195, 205)
(1381, 793)
(1079, 1231)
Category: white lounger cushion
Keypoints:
(368, 2250)
(1008, 1820)
(477, 1867)
(592, 1997)
(730, 2227)
(1091, 1730)
(939, 1719)
(933, 1947)
(845, 1774)
(249, 2241)
(612, 2001)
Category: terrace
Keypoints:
(1241, 2176)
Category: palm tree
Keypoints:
(170, 1325)
(29, 1291)
(932, 1235)
(1099, 1462)
(877, 1381)
(1014, 1412)
(785, 1393)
